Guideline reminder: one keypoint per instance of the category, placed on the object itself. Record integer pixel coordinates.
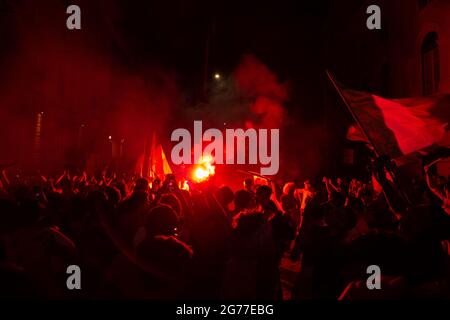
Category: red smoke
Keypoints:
(257, 82)
(76, 79)
(255, 79)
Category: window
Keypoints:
(430, 64)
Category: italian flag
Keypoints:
(398, 127)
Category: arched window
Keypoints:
(430, 64)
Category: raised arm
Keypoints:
(332, 186)
(4, 178)
(327, 185)
(273, 196)
(393, 195)
(432, 188)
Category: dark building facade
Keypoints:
(407, 57)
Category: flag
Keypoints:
(397, 127)
(153, 162)
(355, 133)
(159, 163)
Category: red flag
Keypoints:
(153, 162)
(159, 164)
(354, 133)
(398, 127)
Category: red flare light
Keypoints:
(184, 185)
(204, 169)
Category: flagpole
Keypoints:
(377, 154)
(355, 117)
(145, 163)
(152, 173)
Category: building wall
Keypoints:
(387, 61)
(436, 17)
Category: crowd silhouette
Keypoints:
(138, 238)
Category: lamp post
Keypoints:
(37, 140)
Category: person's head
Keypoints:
(242, 200)
(289, 188)
(172, 201)
(66, 186)
(113, 195)
(156, 184)
(141, 185)
(307, 184)
(96, 202)
(263, 194)
(122, 187)
(248, 184)
(225, 196)
(247, 222)
(161, 220)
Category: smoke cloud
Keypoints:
(82, 81)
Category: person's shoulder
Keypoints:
(59, 237)
(248, 222)
(10, 268)
(250, 216)
(175, 244)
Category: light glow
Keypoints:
(204, 169)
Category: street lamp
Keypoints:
(37, 139)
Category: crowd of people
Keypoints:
(139, 238)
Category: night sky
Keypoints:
(142, 64)
(288, 36)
